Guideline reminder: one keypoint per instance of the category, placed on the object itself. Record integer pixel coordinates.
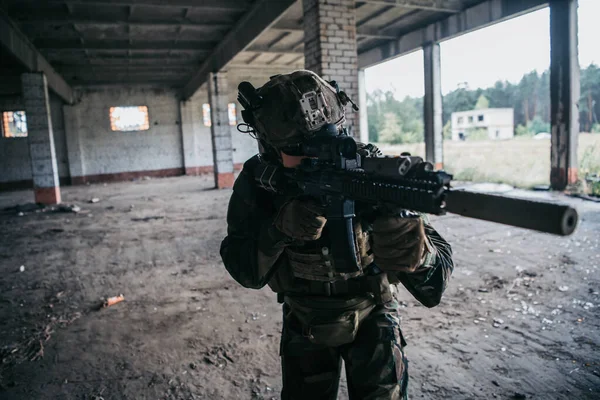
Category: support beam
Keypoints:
(266, 49)
(374, 15)
(76, 148)
(220, 130)
(16, 43)
(362, 104)
(564, 93)
(361, 31)
(263, 14)
(192, 150)
(432, 105)
(123, 44)
(48, 37)
(296, 60)
(277, 68)
(473, 18)
(92, 21)
(40, 138)
(330, 48)
(124, 63)
(129, 69)
(406, 18)
(435, 5)
(225, 5)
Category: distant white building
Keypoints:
(499, 123)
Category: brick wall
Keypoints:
(330, 48)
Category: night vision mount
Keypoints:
(249, 99)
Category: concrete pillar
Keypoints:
(40, 138)
(75, 151)
(188, 137)
(432, 106)
(330, 48)
(362, 104)
(220, 130)
(564, 93)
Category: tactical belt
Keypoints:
(377, 285)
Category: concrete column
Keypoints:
(564, 93)
(188, 137)
(330, 48)
(220, 130)
(432, 106)
(362, 104)
(75, 152)
(40, 138)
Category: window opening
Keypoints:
(231, 112)
(14, 124)
(206, 114)
(127, 119)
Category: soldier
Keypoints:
(283, 242)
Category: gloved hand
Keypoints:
(398, 243)
(301, 219)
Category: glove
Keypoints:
(398, 243)
(301, 219)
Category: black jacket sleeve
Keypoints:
(428, 282)
(253, 245)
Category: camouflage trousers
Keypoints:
(376, 367)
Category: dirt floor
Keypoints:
(519, 320)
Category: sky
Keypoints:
(504, 51)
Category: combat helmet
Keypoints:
(291, 108)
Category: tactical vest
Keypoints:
(313, 272)
(314, 263)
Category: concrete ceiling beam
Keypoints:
(75, 44)
(225, 5)
(16, 43)
(76, 69)
(263, 14)
(296, 26)
(430, 5)
(271, 50)
(123, 22)
(473, 18)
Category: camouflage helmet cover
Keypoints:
(294, 106)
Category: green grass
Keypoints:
(522, 162)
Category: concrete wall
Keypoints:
(197, 145)
(95, 150)
(196, 136)
(88, 150)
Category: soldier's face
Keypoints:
(291, 161)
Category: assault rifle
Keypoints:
(336, 173)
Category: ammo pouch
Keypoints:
(376, 285)
(334, 325)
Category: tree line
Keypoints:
(401, 121)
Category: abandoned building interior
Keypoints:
(100, 98)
